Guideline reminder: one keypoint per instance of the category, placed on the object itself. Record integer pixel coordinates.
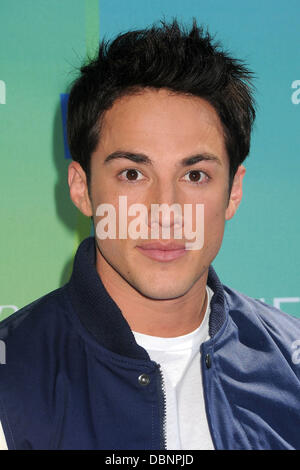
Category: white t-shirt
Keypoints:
(3, 445)
(179, 358)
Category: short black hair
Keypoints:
(170, 56)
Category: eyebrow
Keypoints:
(142, 158)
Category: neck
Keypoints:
(163, 318)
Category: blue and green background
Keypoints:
(42, 45)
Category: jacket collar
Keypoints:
(102, 317)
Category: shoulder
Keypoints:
(44, 309)
(35, 346)
(35, 332)
(262, 325)
(243, 306)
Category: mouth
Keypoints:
(163, 251)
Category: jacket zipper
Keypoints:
(204, 388)
(162, 407)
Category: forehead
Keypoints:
(162, 122)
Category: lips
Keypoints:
(162, 251)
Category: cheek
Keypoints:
(104, 197)
(214, 218)
(115, 252)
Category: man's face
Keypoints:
(167, 129)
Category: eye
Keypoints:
(130, 174)
(196, 176)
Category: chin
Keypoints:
(159, 293)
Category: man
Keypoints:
(144, 348)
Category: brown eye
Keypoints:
(131, 175)
(197, 177)
(194, 176)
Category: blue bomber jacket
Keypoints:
(75, 378)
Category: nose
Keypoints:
(164, 210)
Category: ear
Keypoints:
(236, 192)
(79, 189)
